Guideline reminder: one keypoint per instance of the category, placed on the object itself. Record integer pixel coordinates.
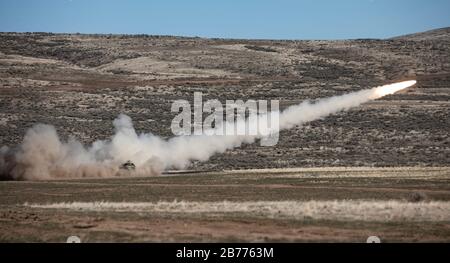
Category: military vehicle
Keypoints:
(128, 166)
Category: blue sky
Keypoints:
(282, 19)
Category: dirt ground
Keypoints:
(21, 220)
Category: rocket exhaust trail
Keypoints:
(42, 155)
(306, 112)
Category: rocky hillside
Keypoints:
(80, 83)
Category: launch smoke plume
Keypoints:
(42, 155)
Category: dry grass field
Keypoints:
(290, 205)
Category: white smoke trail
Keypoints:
(42, 155)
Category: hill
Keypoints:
(441, 34)
(80, 83)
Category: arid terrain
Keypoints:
(290, 205)
(80, 83)
(379, 169)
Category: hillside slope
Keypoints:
(80, 83)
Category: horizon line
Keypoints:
(219, 38)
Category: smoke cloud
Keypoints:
(42, 155)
